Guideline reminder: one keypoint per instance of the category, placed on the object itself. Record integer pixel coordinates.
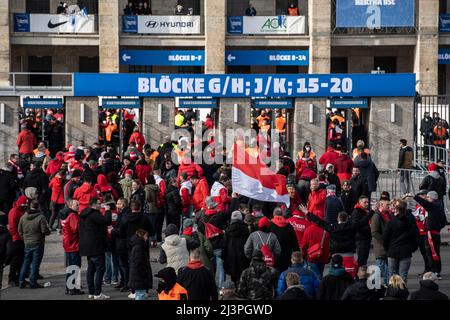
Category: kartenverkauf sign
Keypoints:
(444, 22)
(161, 24)
(267, 25)
(54, 23)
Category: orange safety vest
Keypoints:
(47, 153)
(440, 136)
(261, 119)
(293, 11)
(279, 124)
(110, 128)
(312, 155)
(341, 119)
(154, 155)
(174, 294)
(356, 152)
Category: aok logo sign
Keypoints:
(275, 23)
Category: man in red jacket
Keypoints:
(138, 138)
(200, 193)
(55, 164)
(17, 249)
(299, 222)
(26, 142)
(84, 194)
(186, 195)
(71, 241)
(343, 167)
(330, 156)
(190, 168)
(219, 192)
(316, 199)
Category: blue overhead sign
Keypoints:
(21, 22)
(444, 22)
(349, 103)
(374, 13)
(162, 57)
(444, 56)
(121, 103)
(245, 85)
(129, 24)
(267, 58)
(272, 103)
(197, 103)
(43, 103)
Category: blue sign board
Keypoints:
(374, 13)
(267, 58)
(444, 56)
(197, 103)
(245, 85)
(235, 24)
(130, 24)
(349, 103)
(444, 22)
(272, 103)
(121, 103)
(43, 103)
(162, 57)
(21, 22)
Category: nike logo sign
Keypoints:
(55, 25)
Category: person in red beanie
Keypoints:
(260, 238)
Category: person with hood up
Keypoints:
(17, 246)
(294, 198)
(286, 237)
(143, 169)
(140, 278)
(8, 187)
(434, 182)
(138, 138)
(26, 140)
(168, 288)
(219, 193)
(396, 289)
(332, 178)
(197, 279)
(359, 291)
(84, 194)
(429, 289)
(368, 170)
(33, 228)
(294, 291)
(316, 199)
(57, 199)
(304, 183)
(233, 253)
(55, 164)
(262, 237)
(258, 281)
(333, 285)
(330, 156)
(93, 243)
(200, 193)
(343, 166)
(191, 233)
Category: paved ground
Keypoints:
(52, 269)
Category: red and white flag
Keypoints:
(252, 178)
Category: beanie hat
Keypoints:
(264, 223)
(171, 230)
(129, 171)
(432, 167)
(236, 215)
(336, 261)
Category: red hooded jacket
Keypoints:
(200, 194)
(190, 169)
(316, 202)
(57, 186)
(70, 235)
(142, 172)
(84, 194)
(54, 165)
(343, 167)
(162, 191)
(299, 222)
(139, 139)
(186, 194)
(14, 216)
(220, 196)
(313, 235)
(26, 141)
(329, 157)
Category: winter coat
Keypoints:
(396, 293)
(254, 243)
(176, 251)
(333, 205)
(198, 281)
(334, 179)
(316, 202)
(436, 219)
(343, 167)
(33, 228)
(287, 239)
(257, 281)
(132, 222)
(434, 182)
(70, 230)
(54, 166)
(200, 194)
(330, 156)
(190, 169)
(308, 280)
(401, 237)
(360, 185)
(217, 219)
(294, 293)
(220, 195)
(205, 246)
(173, 201)
(84, 194)
(5, 246)
(361, 224)
(120, 243)
(299, 223)
(369, 171)
(8, 185)
(333, 285)
(233, 255)
(38, 179)
(127, 190)
(405, 158)
(93, 232)
(378, 226)
(138, 195)
(359, 291)
(140, 277)
(142, 172)
(349, 200)
(14, 216)
(26, 141)
(56, 184)
(151, 196)
(313, 235)
(429, 290)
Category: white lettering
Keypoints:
(214, 85)
(143, 85)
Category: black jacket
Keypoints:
(360, 185)
(396, 293)
(138, 195)
(173, 201)
(429, 290)
(288, 242)
(8, 185)
(199, 283)
(39, 180)
(368, 170)
(361, 224)
(233, 256)
(332, 178)
(359, 292)
(333, 205)
(140, 277)
(120, 243)
(92, 229)
(294, 293)
(130, 223)
(5, 245)
(426, 128)
(349, 200)
(434, 182)
(219, 220)
(65, 212)
(333, 285)
(436, 214)
(401, 237)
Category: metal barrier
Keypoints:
(21, 83)
(425, 154)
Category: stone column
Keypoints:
(226, 115)
(108, 26)
(426, 53)
(320, 36)
(154, 131)
(5, 47)
(303, 131)
(215, 31)
(10, 129)
(384, 136)
(75, 129)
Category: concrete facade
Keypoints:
(152, 129)
(109, 35)
(5, 46)
(320, 36)
(226, 115)
(77, 130)
(10, 128)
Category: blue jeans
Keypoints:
(33, 259)
(382, 264)
(140, 295)
(317, 268)
(112, 271)
(220, 272)
(95, 272)
(400, 267)
(72, 259)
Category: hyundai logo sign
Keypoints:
(151, 24)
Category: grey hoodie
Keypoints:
(33, 228)
(254, 243)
